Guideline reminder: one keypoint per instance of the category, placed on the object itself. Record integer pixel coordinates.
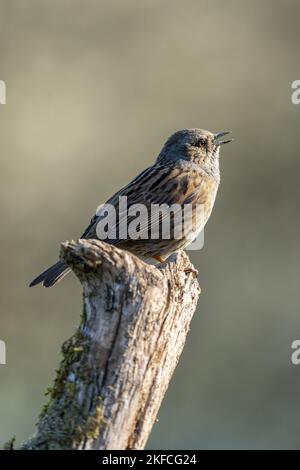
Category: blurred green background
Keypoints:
(93, 90)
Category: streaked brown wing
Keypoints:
(156, 185)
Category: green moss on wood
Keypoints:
(74, 411)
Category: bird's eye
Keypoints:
(200, 143)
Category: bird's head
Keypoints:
(194, 145)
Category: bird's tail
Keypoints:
(52, 275)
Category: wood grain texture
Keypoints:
(117, 366)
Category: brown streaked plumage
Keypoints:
(185, 172)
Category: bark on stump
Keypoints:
(117, 366)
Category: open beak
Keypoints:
(221, 134)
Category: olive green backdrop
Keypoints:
(93, 90)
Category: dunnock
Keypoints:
(186, 172)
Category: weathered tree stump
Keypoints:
(117, 366)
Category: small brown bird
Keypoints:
(186, 173)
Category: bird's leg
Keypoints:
(158, 258)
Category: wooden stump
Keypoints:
(117, 366)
